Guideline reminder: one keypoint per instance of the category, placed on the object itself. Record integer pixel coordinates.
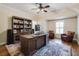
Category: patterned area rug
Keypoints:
(54, 49)
(14, 49)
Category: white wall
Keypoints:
(78, 28)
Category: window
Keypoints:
(59, 27)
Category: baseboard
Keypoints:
(77, 41)
(3, 43)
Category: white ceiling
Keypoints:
(62, 10)
(27, 7)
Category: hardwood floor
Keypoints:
(3, 51)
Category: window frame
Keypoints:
(59, 27)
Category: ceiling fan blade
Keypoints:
(45, 10)
(47, 6)
(40, 4)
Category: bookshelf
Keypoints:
(20, 26)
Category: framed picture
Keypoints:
(37, 27)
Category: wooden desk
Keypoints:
(31, 43)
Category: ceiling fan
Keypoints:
(41, 7)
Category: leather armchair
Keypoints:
(51, 35)
(68, 36)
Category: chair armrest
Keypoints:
(63, 34)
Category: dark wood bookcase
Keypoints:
(20, 26)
